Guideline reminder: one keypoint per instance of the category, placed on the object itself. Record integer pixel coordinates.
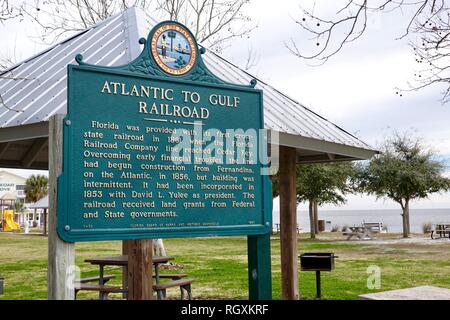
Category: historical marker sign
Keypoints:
(161, 148)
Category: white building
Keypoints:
(12, 186)
(12, 190)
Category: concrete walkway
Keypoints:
(417, 293)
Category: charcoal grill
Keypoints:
(317, 261)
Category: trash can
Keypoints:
(321, 225)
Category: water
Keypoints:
(390, 217)
(183, 57)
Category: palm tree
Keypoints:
(36, 187)
(18, 205)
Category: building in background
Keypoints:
(12, 192)
(12, 185)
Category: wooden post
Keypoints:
(45, 221)
(288, 222)
(125, 245)
(61, 255)
(140, 269)
(259, 268)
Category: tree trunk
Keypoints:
(312, 225)
(405, 218)
(158, 248)
(316, 217)
(408, 225)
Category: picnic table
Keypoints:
(122, 261)
(361, 232)
(441, 229)
(277, 228)
(365, 231)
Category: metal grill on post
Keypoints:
(317, 261)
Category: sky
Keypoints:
(355, 89)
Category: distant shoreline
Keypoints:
(389, 217)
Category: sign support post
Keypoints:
(125, 246)
(61, 255)
(140, 269)
(259, 267)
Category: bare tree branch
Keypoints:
(252, 60)
(428, 22)
(213, 22)
(8, 10)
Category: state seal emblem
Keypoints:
(173, 48)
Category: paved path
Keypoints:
(417, 293)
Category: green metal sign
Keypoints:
(161, 148)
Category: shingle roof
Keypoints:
(35, 89)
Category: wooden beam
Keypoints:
(288, 224)
(3, 148)
(322, 158)
(12, 164)
(24, 132)
(34, 151)
(61, 255)
(125, 245)
(140, 269)
(321, 146)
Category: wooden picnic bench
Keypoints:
(160, 288)
(103, 289)
(177, 276)
(106, 278)
(86, 285)
(441, 229)
(183, 284)
(178, 279)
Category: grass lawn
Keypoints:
(219, 265)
